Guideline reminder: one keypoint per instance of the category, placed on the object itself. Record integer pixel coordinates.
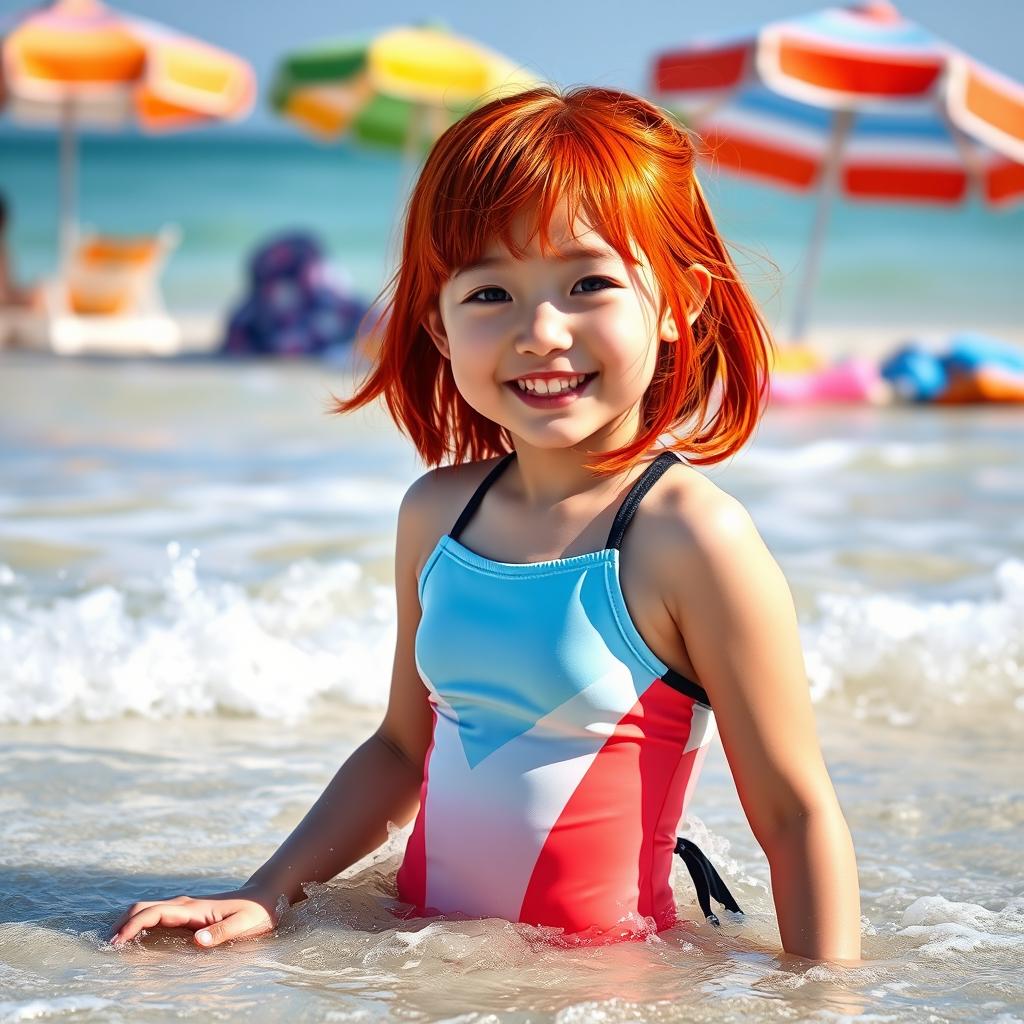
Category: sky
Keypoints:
(609, 42)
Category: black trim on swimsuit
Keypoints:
(686, 686)
(478, 495)
(650, 476)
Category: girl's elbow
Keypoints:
(797, 818)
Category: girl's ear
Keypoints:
(438, 335)
(699, 279)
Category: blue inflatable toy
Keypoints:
(969, 352)
(915, 374)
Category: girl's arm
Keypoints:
(379, 783)
(735, 611)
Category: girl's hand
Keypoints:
(242, 913)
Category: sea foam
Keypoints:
(940, 927)
(199, 645)
(906, 657)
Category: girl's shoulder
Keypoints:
(444, 490)
(687, 522)
(695, 506)
(435, 499)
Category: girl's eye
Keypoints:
(492, 294)
(495, 294)
(587, 283)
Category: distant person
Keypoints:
(568, 330)
(11, 296)
(295, 305)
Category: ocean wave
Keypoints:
(52, 1006)
(906, 658)
(940, 927)
(196, 645)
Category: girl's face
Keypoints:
(520, 333)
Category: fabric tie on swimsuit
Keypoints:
(564, 750)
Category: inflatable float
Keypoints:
(974, 368)
(801, 377)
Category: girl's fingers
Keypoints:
(235, 926)
(236, 921)
(154, 915)
(128, 914)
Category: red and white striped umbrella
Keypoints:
(856, 100)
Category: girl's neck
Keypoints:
(544, 478)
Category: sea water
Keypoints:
(197, 625)
(882, 263)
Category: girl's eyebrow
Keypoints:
(564, 256)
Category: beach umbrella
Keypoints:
(399, 88)
(857, 101)
(76, 62)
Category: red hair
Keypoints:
(627, 170)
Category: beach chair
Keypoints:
(106, 299)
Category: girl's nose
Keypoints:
(546, 331)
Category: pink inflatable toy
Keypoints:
(852, 380)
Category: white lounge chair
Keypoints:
(106, 299)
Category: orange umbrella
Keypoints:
(77, 62)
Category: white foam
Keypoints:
(942, 926)
(906, 657)
(796, 461)
(198, 646)
(56, 1006)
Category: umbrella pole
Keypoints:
(407, 175)
(827, 189)
(67, 227)
(411, 150)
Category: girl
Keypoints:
(564, 305)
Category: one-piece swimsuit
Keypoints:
(564, 751)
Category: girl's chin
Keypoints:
(562, 434)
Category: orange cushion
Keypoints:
(107, 271)
(109, 249)
(98, 303)
(986, 384)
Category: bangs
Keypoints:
(529, 169)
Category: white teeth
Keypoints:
(554, 386)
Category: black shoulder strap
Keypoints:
(478, 495)
(636, 494)
(623, 518)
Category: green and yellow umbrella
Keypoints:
(400, 88)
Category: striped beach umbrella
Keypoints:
(857, 101)
(399, 88)
(77, 62)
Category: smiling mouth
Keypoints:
(563, 396)
(518, 386)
